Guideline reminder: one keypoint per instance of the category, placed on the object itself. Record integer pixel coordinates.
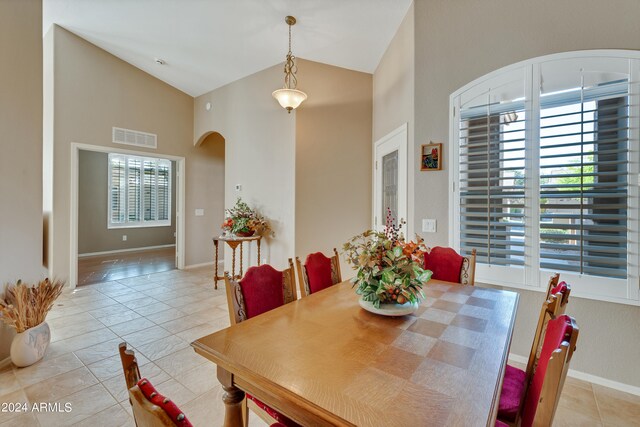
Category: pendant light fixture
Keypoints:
(289, 97)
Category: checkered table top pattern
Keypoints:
(440, 366)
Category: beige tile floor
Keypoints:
(159, 315)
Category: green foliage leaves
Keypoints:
(387, 271)
(242, 219)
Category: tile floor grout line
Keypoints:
(595, 398)
(157, 288)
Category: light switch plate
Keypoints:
(429, 225)
(199, 212)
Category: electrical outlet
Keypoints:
(429, 225)
(124, 237)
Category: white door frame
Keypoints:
(73, 228)
(403, 172)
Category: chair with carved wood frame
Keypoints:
(145, 413)
(543, 394)
(437, 259)
(553, 282)
(236, 298)
(557, 299)
(317, 260)
(553, 307)
(468, 270)
(516, 378)
(241, 308)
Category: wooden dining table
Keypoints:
(323, 360)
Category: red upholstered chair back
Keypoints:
(318, 272)
(261, 289)
(561, 291)
(543, 393)
(554, 306)
(150, 409)
(553, 282)
(446, 264)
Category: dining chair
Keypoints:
(318, 272)
(556, 305)
(448, 265)
(516, 380)
(541, 399)
(262, 289)
(150, 408)
(553, 282)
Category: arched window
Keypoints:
(546, 178)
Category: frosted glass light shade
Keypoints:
(289, 98)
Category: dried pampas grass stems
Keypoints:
(25, 306)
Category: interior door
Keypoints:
(390, 178)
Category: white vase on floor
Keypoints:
(29, 346)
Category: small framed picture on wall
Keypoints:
(431, 157)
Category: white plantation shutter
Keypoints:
(583, 180)
(150, 190)
(140, 191)
(164, 190)
(491, 176)
(547, 170)
(492, 193)
(134, 180)
(117, 181)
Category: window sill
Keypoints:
(138, 225)
(575, 292)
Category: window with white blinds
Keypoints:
(584, 155)
(139, 191)
(491, 181)
(547, 173)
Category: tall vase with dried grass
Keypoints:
(25, 308)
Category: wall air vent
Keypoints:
(134, 137)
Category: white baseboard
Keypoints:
(117, 251)
(594, 379)
(204, 264)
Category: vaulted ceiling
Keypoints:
(208, 43)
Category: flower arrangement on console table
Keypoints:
(243, 221)
(390, 274)
(25, 308)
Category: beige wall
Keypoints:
(21, 140)
(300, 169)
(457, 42)
(393, 92)
(20, 147)
(333, 158)
(93, 211)
(259, 155)
(208, 169)
(92, 91)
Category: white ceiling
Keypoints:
(209, 43)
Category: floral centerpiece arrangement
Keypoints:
(243, 221)
(389, 268)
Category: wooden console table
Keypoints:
(233, 242)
